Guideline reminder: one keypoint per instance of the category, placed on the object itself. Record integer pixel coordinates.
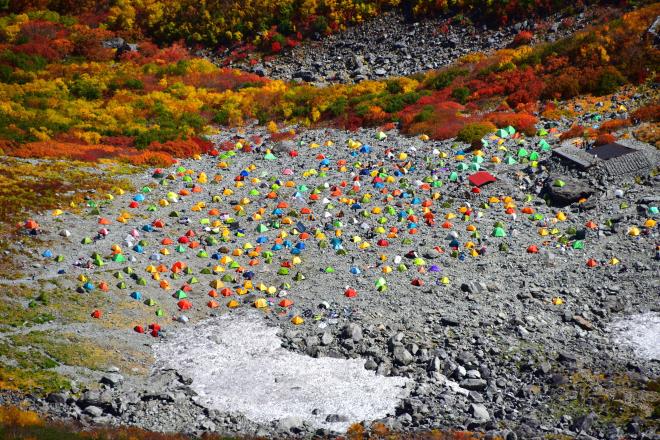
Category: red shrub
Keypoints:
(38, 30)
(147, 49)
(523, 86)
(118, 141)
(523, 37)
(204, 144)
(275, 47)
(522, 122)
(87, 43)
(173, 54)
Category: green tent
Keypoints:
(499, 232)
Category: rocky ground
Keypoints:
(513, 343)
(512, 313)
(390, 45)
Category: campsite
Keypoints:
(458, 270)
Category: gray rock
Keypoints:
(113, 43)
(402, 356)
(289, 424)
(474, 287)
(474, 384)
(94, 411)
(434, 365)
(60, 397)
(583, 423)
(571, 192)
(112, 379)
(479, 412)
(327, 338)
(334, 418)
(352, 331)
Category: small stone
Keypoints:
(474, 384)
(583, 323)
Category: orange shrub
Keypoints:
(573, 132)
(650, 112)
(605, 138)
(282, 136)
(151, 158)
(180, 147)
(613, 125)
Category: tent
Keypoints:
(481, 178)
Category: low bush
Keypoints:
(522, 122)
(472, 133)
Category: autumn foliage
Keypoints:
(62, 90)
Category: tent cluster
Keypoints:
(251, 236)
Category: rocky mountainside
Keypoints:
(389, 45)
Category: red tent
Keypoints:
(184, 305)
(481, 178)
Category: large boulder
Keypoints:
(567, 192)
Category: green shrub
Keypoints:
(221, 117)
(338, 107)
(427, 114)
(394, 87)
(460, 94)
(609, 81)
(134, 84)
(446, 77)
(85, 89)
(473, 132)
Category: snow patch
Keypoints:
(639, 332)
(238, 365)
